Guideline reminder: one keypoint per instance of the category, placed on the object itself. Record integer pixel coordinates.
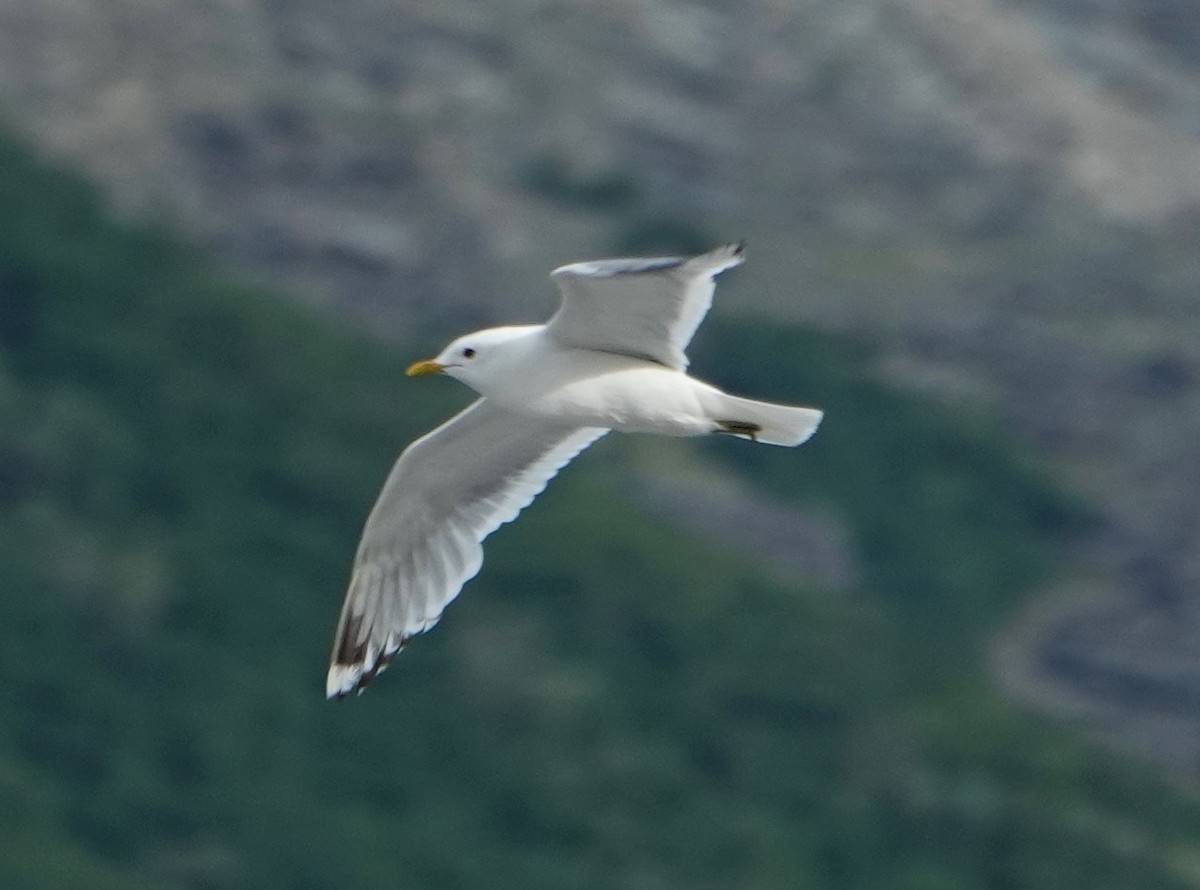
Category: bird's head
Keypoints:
(474, 358)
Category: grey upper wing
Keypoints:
(422, 541)
(648, 308)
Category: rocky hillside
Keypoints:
(1003, 197)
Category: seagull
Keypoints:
(611, 358)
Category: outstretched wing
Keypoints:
(646, 308)
(422, 541)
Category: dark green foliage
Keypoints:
(184, 468)
(550, 177)
(641, 230)
(952, 527)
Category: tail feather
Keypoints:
(785, 425)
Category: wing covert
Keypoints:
(648, 308)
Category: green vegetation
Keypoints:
(953, 526)
(184, 467)
(639, 228)
(552, 178)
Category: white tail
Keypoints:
(786, 425)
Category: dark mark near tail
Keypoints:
(739, 428)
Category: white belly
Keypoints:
(619, 393)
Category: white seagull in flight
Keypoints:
(611, 358)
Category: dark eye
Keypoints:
(468, 352)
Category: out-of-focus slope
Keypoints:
(184, 465)
(1002, 196)
(357, 146)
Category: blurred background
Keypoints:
(953, 642)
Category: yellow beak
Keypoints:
(421, 369)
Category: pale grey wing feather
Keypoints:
(648, 308)
(423, 539)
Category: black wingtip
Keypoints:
(735, 251)
(368, 674)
